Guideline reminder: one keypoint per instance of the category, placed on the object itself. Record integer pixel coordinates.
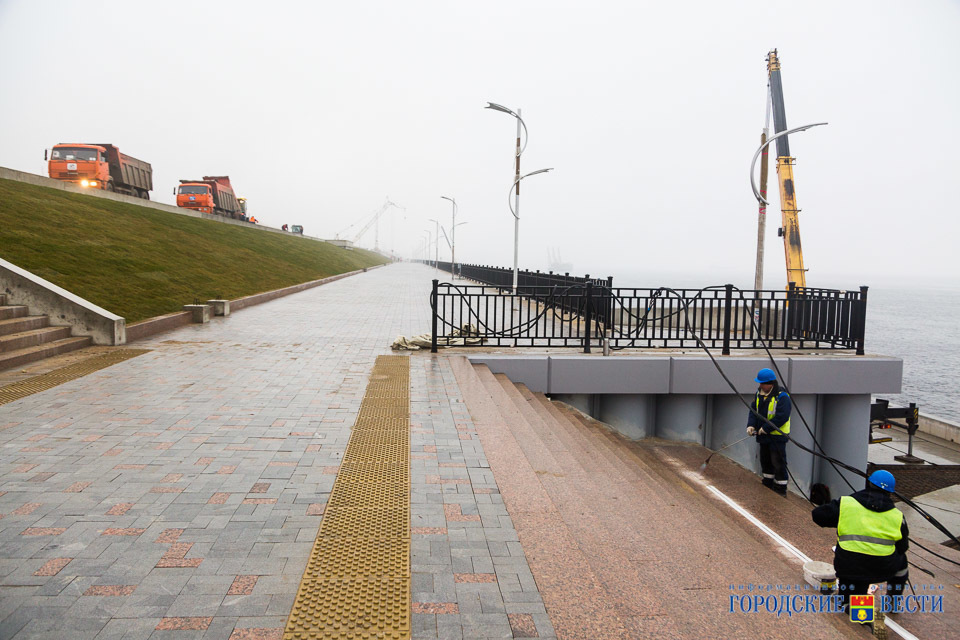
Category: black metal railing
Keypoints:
(592, 314)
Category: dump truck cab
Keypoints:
(195, 195)
(85, 165)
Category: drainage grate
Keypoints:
(357, 580)
(70, 372)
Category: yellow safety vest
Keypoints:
(856, 521)
(771, 413)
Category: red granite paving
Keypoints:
(169, 535)
(257, 634)
(316, 509)
(242, 586)
(43, 531)
(621, 546)
(434, 607)
(184, 624)
(219, 498)
(260, 487)
(26, 509)
(522, 625)
(52, 567)
(123, 532)
(111, 590)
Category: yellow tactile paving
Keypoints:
(357, 580)
(70, 372)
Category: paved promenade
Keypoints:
(178, 494)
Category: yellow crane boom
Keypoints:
(790, 229)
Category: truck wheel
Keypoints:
(110, 187)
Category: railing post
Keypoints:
(588, 304)
(861, 321)
(433, 305)
(727, 309)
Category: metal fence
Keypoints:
(591, 314)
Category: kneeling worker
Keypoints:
(776, 406)
(871, 538)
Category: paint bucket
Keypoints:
(820, 575)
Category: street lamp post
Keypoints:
(453, 238)
(436, 234)
(516, 184)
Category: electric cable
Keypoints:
(834, 462)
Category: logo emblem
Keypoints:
(861, 609)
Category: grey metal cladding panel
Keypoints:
(585, 374)
(862, 374)
(698, 375)
(530, 370)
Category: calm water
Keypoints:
(920, 325)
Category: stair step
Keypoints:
(32, 338)
(19, 357)
(25, 323)
(12, 311)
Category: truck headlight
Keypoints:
(84, 183)
(93, 183)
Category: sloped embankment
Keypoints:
(140, 263)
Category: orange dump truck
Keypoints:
(213, 194)
(100, 166)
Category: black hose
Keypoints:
(834, 462)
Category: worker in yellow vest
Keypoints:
(772, 433)
(871, 538)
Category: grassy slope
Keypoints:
(139, 262)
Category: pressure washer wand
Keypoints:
(707, 461)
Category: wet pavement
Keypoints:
(178, 494)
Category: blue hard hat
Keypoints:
(883, 479)
(765, 376)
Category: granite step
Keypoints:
(32, 338)
(12, 311)
(572, 593)
(24, 323)
(686, 548)
(19, 357)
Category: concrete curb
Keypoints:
(161, 324)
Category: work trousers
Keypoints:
(773, 465)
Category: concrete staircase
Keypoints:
(25, 338)
(621, 545)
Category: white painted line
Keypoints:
(893, 626)
(756, 522)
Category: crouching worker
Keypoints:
(871, 538)
(773, 433)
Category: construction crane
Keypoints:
(790, 229)
(372, 222)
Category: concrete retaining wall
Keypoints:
(940, 428)
(63, 307)
(684, 399)
(42, 181)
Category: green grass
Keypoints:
(139, 262)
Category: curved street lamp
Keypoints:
(515, 209)
(756, 155)
(517, 181)
(453, 238)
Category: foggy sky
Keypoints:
(649, 112)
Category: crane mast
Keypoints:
(790, 229)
